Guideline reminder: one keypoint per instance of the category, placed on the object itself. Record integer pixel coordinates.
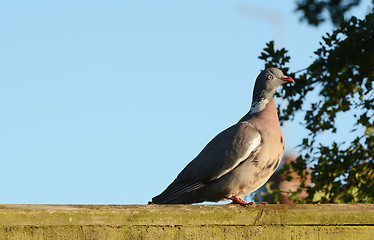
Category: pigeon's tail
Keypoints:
(177, 193)
(157, 202)
(160, 200)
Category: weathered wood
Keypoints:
(348, 221)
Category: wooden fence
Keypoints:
(348, 221)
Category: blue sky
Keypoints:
(104, 102)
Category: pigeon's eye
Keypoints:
(270, 77)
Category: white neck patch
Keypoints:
(259, 106)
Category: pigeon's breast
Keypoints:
(256, 172)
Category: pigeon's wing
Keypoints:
(221, 155)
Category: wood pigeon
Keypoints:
(238, 160)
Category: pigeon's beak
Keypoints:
(287, 79)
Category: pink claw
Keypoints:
(238, 200)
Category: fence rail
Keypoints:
(345, 221)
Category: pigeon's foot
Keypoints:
(238, 200)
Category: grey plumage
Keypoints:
(238, 160)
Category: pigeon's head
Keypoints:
(268, 80)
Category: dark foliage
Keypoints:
(316, 11)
